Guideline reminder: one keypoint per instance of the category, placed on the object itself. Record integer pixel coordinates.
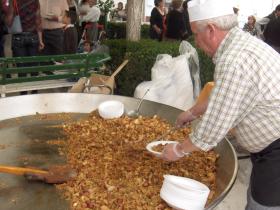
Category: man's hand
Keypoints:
(41, 45)
(158, 30)
(171, 152)
(185, 118)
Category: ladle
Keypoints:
(135, 112)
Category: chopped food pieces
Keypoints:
(114, 170)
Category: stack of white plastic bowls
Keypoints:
(184, 193)
(111, 109)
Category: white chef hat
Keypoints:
(206, 9)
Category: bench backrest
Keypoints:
(61, 66)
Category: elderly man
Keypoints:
(246, 96)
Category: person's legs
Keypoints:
(32, 49)
(53, 40)
(1, 46)
(19, 49)
(253, 205)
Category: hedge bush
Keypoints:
(142, 56)
(117, 30)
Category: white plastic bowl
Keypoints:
(111, 109)
(150, 146)
(184, 193)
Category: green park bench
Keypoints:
(54, 71)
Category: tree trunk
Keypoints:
(134, 17)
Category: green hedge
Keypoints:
(142, 56)
(118, 30)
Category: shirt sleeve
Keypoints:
(226, 108)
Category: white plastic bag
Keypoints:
(172, 83)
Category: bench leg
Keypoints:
(3, 91)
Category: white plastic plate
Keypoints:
(150, 146)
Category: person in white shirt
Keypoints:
(89, 16)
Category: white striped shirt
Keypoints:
(246, 94)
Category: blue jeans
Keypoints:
(25, 44)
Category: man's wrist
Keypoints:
(177, 150)
(193, 116)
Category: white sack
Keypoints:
(172, 83)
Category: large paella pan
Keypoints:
(22, 134)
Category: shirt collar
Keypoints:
(225, 43)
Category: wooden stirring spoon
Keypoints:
(54, 175)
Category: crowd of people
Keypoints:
(48, 27)
(267, 28)
(173, 24)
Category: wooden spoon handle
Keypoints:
(20, 171)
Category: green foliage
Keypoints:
(142, 56)
(145, 31)
(118, 30)
(105, 6)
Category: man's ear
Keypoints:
(211, 31)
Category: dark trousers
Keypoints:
(265, 177)
(53, 40)
(1, 46)
(25, 44)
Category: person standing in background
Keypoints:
(5, 14)
(157, 20)
(187, 19)
(176, 27)
(52, 12)
(29, 41)
(263, 22)
(118, 14)
(250, 26)
(70, 32)
(272, 30)
(89, 16)
(72, 5)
